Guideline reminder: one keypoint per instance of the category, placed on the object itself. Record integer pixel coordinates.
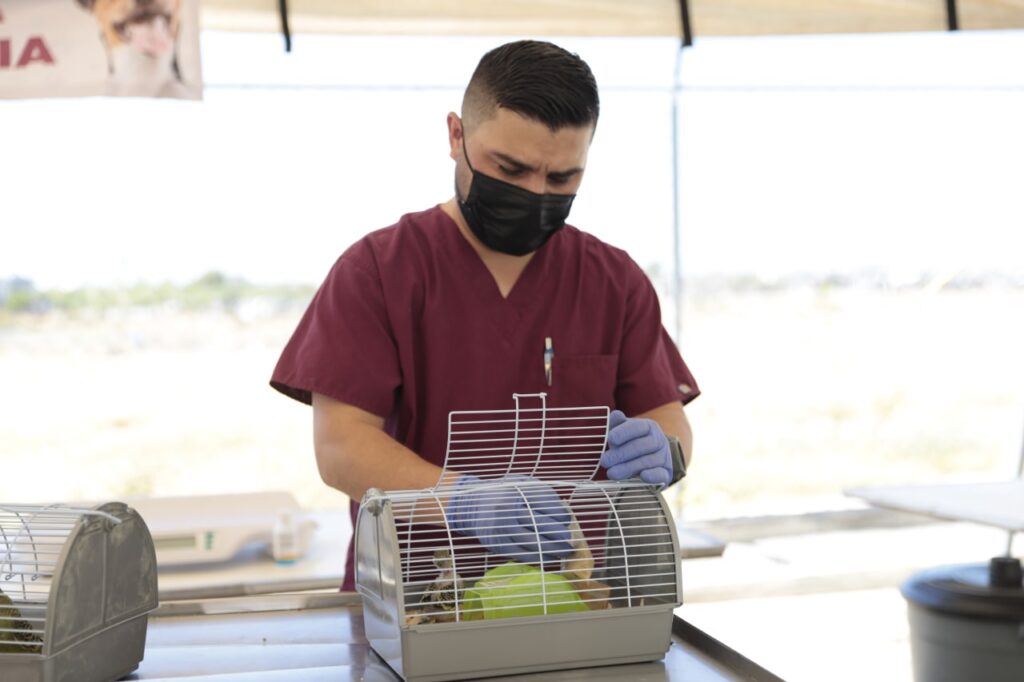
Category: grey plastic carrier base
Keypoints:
(949, 648)
(457, 652)
(97, 659)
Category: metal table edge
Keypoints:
(716, 650)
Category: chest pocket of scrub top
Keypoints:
(584, 380)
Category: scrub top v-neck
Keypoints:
(470, 274)
(522, 291)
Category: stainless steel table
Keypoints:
(314, 637)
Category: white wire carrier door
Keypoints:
(32, 539)
(416, 573)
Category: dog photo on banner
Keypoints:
(78, 48)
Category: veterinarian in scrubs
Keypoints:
(488, 294)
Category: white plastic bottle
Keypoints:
(285, 543)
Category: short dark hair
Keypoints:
(535, 79)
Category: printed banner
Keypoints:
(78, 48)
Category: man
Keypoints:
(489, 294)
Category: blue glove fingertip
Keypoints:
(619, 473)
(631, 429)
(615, 419)
(657, 476)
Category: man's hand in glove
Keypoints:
(637, 448)
(518, 517)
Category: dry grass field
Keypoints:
(805, 391)
(811, 391)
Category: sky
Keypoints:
(897, 153)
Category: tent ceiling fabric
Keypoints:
(608, 17)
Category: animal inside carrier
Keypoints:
(440, 605)
(76, 586)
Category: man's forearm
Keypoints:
(354, 453)
(369, 458)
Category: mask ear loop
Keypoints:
(465, 154)
(472, 170)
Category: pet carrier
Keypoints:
(76, 586)
(438, 605)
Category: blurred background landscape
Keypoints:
(809, 387)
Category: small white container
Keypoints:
(285, 543)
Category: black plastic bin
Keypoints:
(967, 622)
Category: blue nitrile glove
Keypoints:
(498, 514)
(637, 447)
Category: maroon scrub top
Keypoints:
(410, 325)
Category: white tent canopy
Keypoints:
(611, 17)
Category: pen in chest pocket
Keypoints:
(549, 358)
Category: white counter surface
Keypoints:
(997, 503)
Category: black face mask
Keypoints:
(511, 219)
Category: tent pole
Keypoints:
(684, 21)
(677, 266)
(282, 6)
(1020, 475)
